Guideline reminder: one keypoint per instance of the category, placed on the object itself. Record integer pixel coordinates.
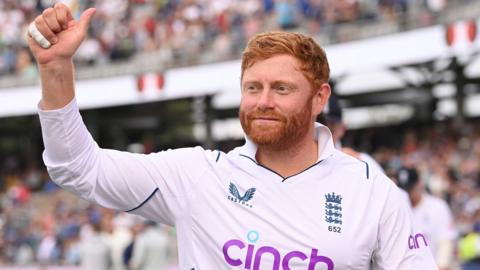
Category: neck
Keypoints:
(415, 201)
(292, 160)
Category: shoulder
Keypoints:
(189, 154)
(432, 202)
(361, 178)
(350, 164)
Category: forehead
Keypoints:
(279, 67)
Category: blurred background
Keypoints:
(159, 74)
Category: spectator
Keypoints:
(150, 248)
(95, 251)
(432, 216)
(47, 250)
(121, 29)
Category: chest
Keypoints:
(317, 223)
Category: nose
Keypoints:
(266, 100)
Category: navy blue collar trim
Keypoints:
(283, 178)
(315, 164)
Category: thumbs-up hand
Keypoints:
(59, 28)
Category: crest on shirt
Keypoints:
(333, 211)
(235, 196)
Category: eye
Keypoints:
(251, 87)
(283, 89)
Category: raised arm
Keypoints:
(148, 185)
(55, 63)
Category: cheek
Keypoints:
(244, 109)
(298, 106)
(247, 103)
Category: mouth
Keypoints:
(265, 120)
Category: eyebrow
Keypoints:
(290, 84)
(276, 82)
(252, 82)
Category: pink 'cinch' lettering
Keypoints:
(228, 244)
(290, 255)
(314, 259)
(271, 250)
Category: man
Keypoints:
(332, 117)
(95, 251)
(286, 199)
(432, 216)
(150, 248)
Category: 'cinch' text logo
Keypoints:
(253, 255)
(413, 241)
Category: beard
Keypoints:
(285, 133)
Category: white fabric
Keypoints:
(150, 250)
(95, 253)
(434, 218)
(371, 162)
(38, 37)
(232, 213)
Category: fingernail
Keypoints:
(54, 40)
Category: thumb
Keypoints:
(85, 18)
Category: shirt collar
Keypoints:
(322, 135)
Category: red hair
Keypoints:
(312, 58)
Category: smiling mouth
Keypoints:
(266, 119)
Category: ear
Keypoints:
(320, 98)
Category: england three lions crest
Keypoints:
(333, 211)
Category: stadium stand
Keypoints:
(187, 32)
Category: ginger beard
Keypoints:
(284, 134)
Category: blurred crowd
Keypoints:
(43, 225)
(123, 29)
(448, 162)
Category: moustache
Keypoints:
(266, 115)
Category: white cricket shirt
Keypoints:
(434, 218)
(232, 213)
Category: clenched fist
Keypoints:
(65, 34)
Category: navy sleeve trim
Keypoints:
(218, 156)
(144, 202)
(368, 169)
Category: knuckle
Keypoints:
(38, 20)
(48, 12)
(59, 5)
(56, 28)
(61, 16)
